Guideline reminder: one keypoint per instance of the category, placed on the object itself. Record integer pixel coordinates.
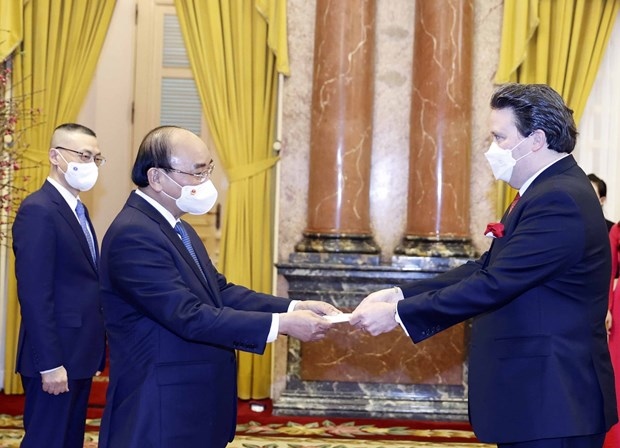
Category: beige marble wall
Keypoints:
(390, 152)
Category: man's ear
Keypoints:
(539, 140)
(154, 177)
(53, 156)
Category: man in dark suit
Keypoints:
(540, 374)
(173, 321)
(61, 340)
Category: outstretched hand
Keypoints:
(375, 317)
(304, 325)
(320, 308)
(389, 295)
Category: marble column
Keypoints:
(441, 106)
(338, 221)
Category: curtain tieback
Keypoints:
(242, 172)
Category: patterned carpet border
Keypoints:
(252, 442)
(350, 430)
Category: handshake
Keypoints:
(311, 319)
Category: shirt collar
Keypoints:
(537, 173)
(66, 194)
(160, 208)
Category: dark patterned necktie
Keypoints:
(81, 213)
(188, 244)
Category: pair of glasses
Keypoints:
(202, 176)
(85, 157)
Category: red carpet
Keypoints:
(267, 426)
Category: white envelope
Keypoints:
(344, 317)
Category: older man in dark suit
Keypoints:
(173, 321)
(540, 374)
(61, 340)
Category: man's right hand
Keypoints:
(389, 295)
(304, 325)
(56, 381)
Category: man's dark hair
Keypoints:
(601, 186)
(154, 152)
(74, 127)
(538, 106)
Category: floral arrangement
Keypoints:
(15, 120)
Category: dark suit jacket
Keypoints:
(58, 289)
(172, 335)
(539, 366)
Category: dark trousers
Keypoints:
(590, 441)
(55, 421)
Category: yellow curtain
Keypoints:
(62, 41)
(555, 42)
(236, 50)
(10, 26)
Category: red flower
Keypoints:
(494, 230)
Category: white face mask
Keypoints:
(81, 176)
(195, 199)
(501, 160)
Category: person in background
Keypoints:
(173, 321)
(61, 339)
(600, 187)
(540, 374)
(612, 439)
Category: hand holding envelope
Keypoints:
(306, 322)
(376, 313)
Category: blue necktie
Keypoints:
(81, 213)
(188, 244)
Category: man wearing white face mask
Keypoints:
(173, 321)
(61, 340)
(540, 374)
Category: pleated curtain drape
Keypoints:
(236, 49)
(10, 26)
(556, 42)
(53, 69)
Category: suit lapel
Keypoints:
(558, 167)
(65, 211)
(209, 283)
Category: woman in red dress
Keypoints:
(613, 326)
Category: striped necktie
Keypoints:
(188, 244)
(81, 213)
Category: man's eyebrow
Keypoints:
(89, 151)
(202, 165)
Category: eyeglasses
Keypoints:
(86, 157)
(202, 176)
